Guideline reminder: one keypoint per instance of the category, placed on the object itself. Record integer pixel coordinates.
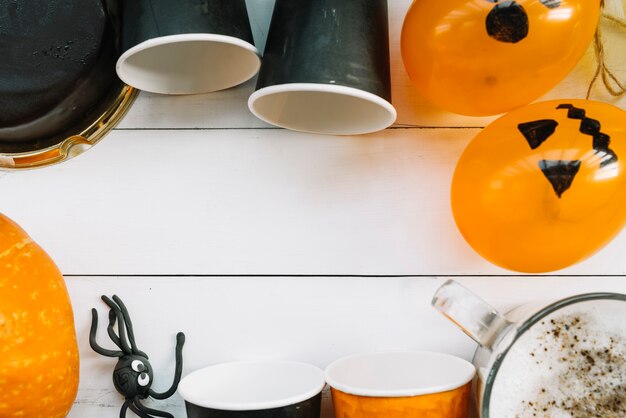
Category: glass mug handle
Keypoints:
(479, 320)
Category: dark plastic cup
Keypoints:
(186, 46)
(254, 389)
(326, 67)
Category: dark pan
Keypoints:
(59, 92)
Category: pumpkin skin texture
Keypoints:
(39, 363)
(542, 187)
(487, 57)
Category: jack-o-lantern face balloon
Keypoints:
(544, 186)
(486, 57)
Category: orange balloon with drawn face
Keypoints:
(486, 57)
(544, 186)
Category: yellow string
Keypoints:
(613, 85)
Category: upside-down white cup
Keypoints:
(326, 68)
(186, 46)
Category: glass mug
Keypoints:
(561, 359)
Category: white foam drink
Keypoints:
(570, 364)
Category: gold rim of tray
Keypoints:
(74, 145)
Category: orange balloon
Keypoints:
(486, 57)
(543, 187)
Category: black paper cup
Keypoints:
(326, 68)
(254, 389)
(186, 46)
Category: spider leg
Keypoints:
(92, 338)
(129, 326)
(110, 329)
(151, 411)
(121, 324)
(124, 408)
(180, 341)
(135, 408)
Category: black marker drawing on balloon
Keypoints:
(592, 127)
(551, 4)
(538, 131)
(508, 21)
(560, 174)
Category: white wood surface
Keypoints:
(219, 202)
(204, 219)
(306, 319)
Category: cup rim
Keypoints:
(315, 377)
(323, 88)
(465, 375)
(181, 38)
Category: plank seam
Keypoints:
(270, 128)
(428, 276)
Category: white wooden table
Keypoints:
(264, 243)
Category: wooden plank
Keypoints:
(314, 320)
(257, 202)
(228, 109)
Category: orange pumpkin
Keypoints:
(38, 349)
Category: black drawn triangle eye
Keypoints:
(536, 132)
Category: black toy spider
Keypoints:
(133, 373)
